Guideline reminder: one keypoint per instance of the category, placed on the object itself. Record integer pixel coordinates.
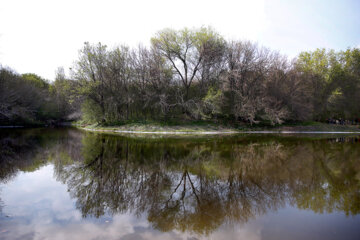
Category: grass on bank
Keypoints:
(210, 126)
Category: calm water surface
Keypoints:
(69, 184)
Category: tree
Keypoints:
(90, 71)
(24, 98)
(334, 78)
(153, 81)
(247, 82)
(190, 53)
(63, 91)
(317, 67)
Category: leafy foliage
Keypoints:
(189, 74)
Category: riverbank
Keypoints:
(212, 128)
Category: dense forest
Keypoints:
(189, 74)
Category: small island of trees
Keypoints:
(188, 75)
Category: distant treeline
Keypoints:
(28, 99)
(190, 74)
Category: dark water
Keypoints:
(68, 184)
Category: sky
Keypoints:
(39, 36)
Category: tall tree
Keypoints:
(90, 71)
(189, 52)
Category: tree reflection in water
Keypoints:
(199, 184)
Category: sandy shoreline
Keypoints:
(216, 132)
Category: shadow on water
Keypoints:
(193, 185)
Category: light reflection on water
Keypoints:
(66, 184)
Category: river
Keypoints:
(70, 184)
